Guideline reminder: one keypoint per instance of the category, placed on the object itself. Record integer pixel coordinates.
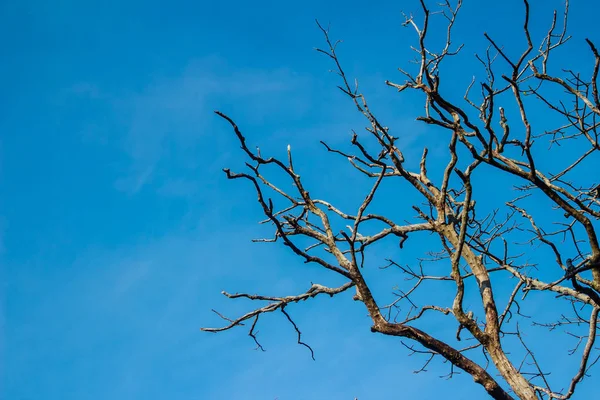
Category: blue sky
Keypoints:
(118, 231)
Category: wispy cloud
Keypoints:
(178, 187)
(168, 120)
(132, 274)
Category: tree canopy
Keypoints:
(496, 235)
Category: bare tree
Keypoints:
(555, 209)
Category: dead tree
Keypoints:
(493, 133)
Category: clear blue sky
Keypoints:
(118, 230)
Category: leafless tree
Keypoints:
(491, 257)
